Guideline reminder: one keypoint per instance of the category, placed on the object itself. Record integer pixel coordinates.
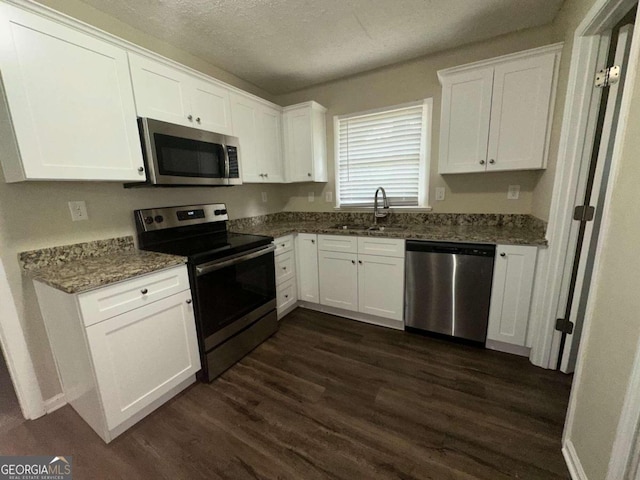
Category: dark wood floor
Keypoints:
(10, 413)
(331, 398)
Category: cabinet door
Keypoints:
(270, 144)
(520, 113)
(511, 291)
(161, 92)
(142, 354)
(244, 113)
(338, 280)
(464, 123)
(210, 107)
(381, 286)
(307, 267)
(299, 145)
(71, 102)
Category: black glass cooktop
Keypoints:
(208, 247)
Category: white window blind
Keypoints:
(382, 149)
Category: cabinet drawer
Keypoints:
(338, 243)
(285, 267)
(287, 294)
(107, 302)
(386, 247)
(283, 244)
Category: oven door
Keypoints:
(232, 293)
(178, 155)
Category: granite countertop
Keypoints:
(493, 234)
(81, 267)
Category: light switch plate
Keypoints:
(264, 197)
(514, 192)
(78, 211)
(328, 197)
(439, 194)
(311, 197)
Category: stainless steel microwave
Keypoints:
(176, 155)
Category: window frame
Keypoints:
(424, 160)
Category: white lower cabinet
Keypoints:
(285, 264)
(117, 369)
(338, 280)
(513, 275)
(371, 285)
(307, 267)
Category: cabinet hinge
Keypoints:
(584, 213)
(608, 76)
(564, 326)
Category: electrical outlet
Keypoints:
(328, 197)
(78, 211)
(264, 197)
(439, 194)
(311, 197)
(514, 192)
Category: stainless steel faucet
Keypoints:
(385, 204)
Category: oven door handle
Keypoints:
(220, 264)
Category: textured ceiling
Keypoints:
(285, 45)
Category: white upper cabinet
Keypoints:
(305, 142)
(258, 127)
(172, 95)
(70, 101)
(496, 114)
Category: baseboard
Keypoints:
(54, 403)
(360, 317)
(573, 462)
(508, 348)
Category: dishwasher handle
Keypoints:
(451, 248)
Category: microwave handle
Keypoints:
(227, 166)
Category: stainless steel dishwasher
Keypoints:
(448, 288)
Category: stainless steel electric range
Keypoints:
(232, 278)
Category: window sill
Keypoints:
(392, 209)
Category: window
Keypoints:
(383, 148)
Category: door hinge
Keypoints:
(564, 326)
(584, 213)
(608, 76)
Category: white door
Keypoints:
(142, 354)
(299, 145)
(520, 108)
(210, 106)
(600, 175)
(70, 100)
(270, 141)
(338, 280)
(244, 116)
(464, 122)
(161, 92)
(381, 286)
(307, 267)
(513, 274)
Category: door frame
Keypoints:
(575, 137)
(17, 356)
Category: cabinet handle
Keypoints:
(308, 174)
(190, 118)
(266, 175)
(198, 119)
(313, 241)
(286, 296)
(141, 169)
(481, 162)
(503, 254)
(492, 161)
(188, 300)
(360, 262)
(144, 291)
(282, 244)
(284, 268)
(353, 261)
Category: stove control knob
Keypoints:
(148, 220)
(217, 212)
(159, 219)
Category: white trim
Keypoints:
(573, 462)
(350, 315)
(54, 403)
(490, 62)
(507, 348)
(18, 359)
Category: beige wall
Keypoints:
(415, 80)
